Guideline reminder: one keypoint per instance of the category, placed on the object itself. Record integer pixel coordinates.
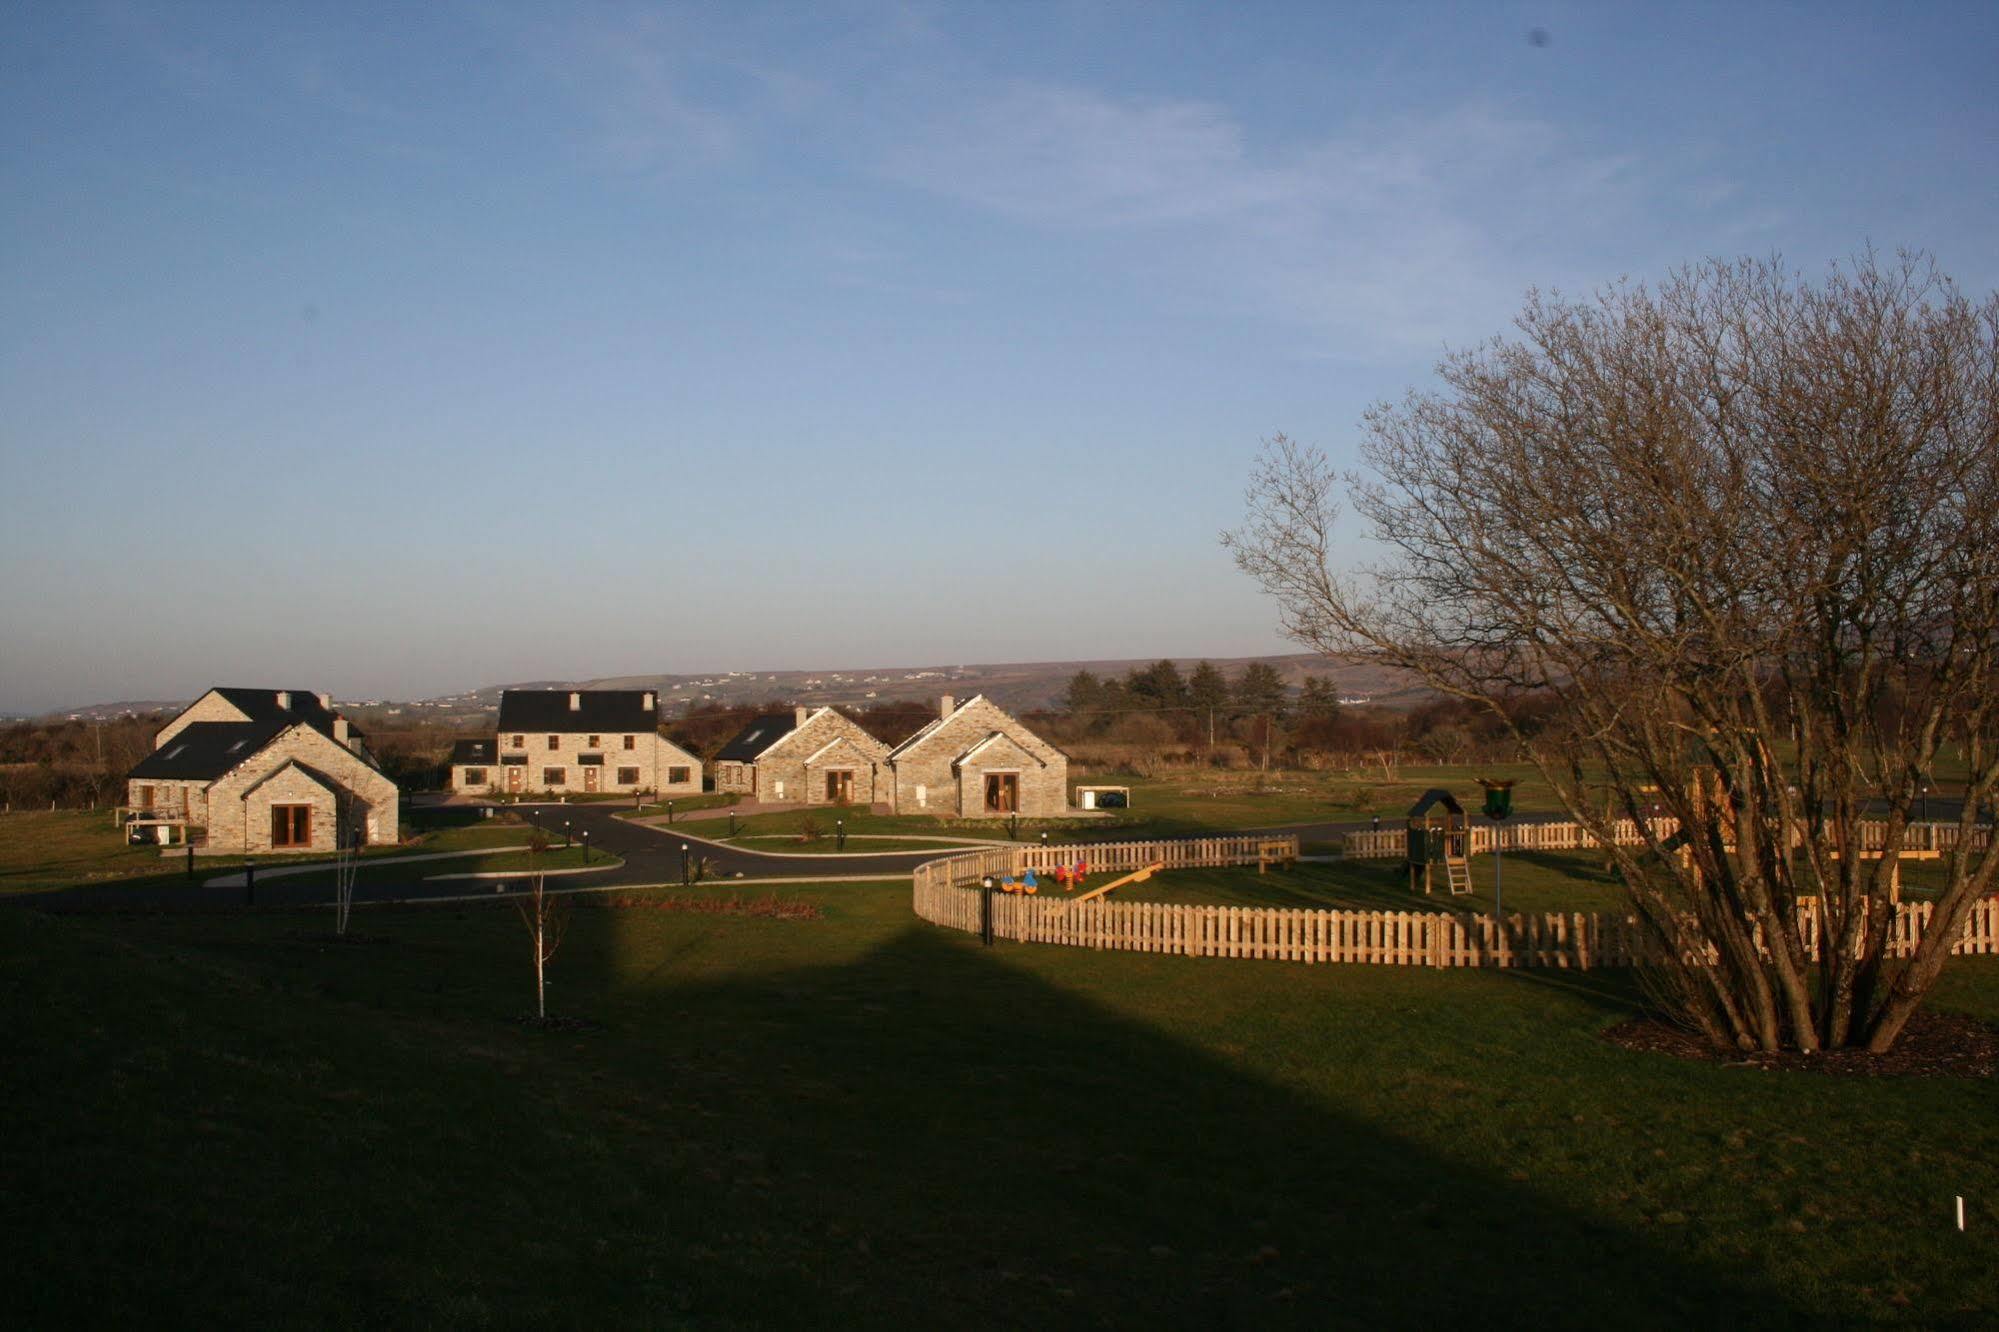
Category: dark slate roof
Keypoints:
(473, 751)
(759, 735)
(261, 705)
(203, 751)
(1433, 797)
(622, 711)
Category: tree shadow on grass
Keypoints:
(925, 1135)
(954, 1141)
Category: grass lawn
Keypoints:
(828, 845)
(861, 1119)
(48, 849)
(57, 848)
(1211, 798)
(1533, 882)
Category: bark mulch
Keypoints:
(1933, 1045)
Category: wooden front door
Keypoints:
(593, 777)
(291, 825)
(840, 788)
(1002, 792)
(515, 775)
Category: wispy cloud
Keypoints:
(631, 73)
(1393, 231)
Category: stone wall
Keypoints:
(369, 797)
(210, 707)
(923, 780)
(293, 784)
(180, 799)
(782, 772)
(651, 753)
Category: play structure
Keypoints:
(1136, 876)
(1439, 835)
(1072, 876)
(1026, 883)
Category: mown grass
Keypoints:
(860, 1119)
(1531, 882)
(827, 844)
(47, 849)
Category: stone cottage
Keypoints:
(264, 770)
(578, 742)
(816, 757)
(977, 761)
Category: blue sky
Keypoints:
(400, 349)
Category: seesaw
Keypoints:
(1136, 876)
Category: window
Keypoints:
(1002, 792)
(554, 777)
(520, 742)
(555, 742)
(677, 776)
(475, 776)
(291, 825)
(595, 742)
(631, 742)
(145, 797)
(840, 788)
(628, 776)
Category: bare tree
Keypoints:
(1743, 531)
(546, 916)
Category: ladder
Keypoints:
(1459, 872)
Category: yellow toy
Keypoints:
(1137, 876)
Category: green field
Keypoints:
(861, 1119)
(1533, 882)
(48, 849)
(828, 845)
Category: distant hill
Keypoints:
(1020, 686)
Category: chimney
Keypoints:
(946, 706)
(651, 701)
(576, 702)
(326, 702)
(284, 700)
(339, 729)
(797, 718)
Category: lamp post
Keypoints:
(567, 841)
(732, 823)
(249, 883)
(1013, 827)
(669, 811)
(839, 834)
(686, 874)
(586, 846)
(986, 911)
(1498, 808)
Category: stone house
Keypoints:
(265, 770)
(977, 761)
(816, 757)
(579, 742)
(473, 764)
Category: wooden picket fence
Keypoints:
(1112, 857)
(947, 893)
(1393, 843)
